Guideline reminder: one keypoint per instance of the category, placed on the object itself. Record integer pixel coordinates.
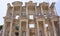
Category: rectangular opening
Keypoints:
(31, 25)
(31, 17)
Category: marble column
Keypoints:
(45, 33)
(10, 32)
(55, 34)
(35, 10)
(50, 29)
(41, 10)
(35, 19)
(27, 11)
(38, 28)
(59, 27)
(3, 34)
(20, 25)
(27, 29)
(20, 31)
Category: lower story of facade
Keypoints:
(35, 27)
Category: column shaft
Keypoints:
(10, 33)
(3, 34)
(27, 30)
(20, 31)
(27, 11)
(59, 27)
(37, 28)
(10, 29)
(35, 10)
(55, 34)
(20, 25)
(41, 10)
(50, 30)
(45, 33)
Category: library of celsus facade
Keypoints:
(31, 19)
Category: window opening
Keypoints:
(31, 25)
(17, 17)
(31, 17)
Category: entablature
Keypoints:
(55, 18)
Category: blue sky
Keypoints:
(3, 6)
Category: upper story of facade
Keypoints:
(30, 9)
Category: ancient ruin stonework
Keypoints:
(31, 20)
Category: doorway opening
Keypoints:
(16, 33)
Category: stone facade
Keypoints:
(31, 20)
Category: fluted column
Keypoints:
(45, 33)
(27, 30)
(10, 32)
(55, 33)
(37, 28)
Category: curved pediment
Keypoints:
(30, 3)
(43, 4)
(17, 3)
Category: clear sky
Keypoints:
(3, 6)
